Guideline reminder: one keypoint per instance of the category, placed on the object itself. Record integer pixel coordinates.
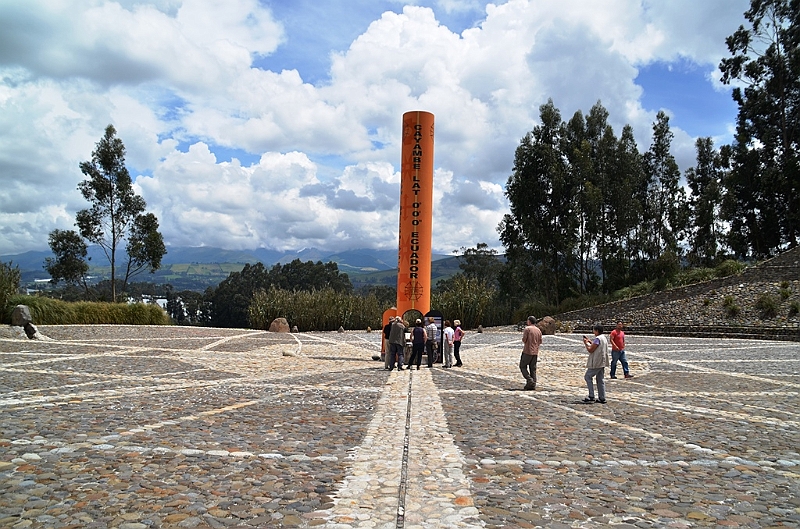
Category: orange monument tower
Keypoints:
(416, 213)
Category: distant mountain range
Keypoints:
(208, 266)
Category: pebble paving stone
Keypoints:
(173, 427)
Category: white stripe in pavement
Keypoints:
(437, 489)
(369, 491)
(438, 492)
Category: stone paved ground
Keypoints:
(137, 427)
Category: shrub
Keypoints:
(785, 293)
(9, 282)
(729, 267)
(731, 308)
(695, 275)
(580, 302)
(472, 301)
(639, 289)
(767, 305)
(537, 309)
(794, 308)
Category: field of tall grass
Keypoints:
(47, 311)
(470, 301)
(317, 310)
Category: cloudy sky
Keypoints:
(276, 123)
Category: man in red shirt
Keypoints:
(531, 340)
(618, 352)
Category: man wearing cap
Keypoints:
(531, 340)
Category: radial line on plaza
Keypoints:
(425, 486)
(401, 493)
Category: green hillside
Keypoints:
(199, 276)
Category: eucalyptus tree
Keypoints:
(232, 298)
(764, 181)
(116, 215)
(481, 263)
(590, 146)
(666, 211)
(626, 198)
(704, 180)
(540, 233)
(603, 144)
(578, 152)
(308, 275)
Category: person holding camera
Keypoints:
(596, 364)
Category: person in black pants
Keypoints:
(430, 344)
(418, 339)
(385, 353)
(459, 333)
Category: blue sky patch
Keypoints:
(683, 89)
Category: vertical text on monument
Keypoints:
(416, 213)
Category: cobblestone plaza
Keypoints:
(147, 427)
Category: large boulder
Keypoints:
(21, 319)
(21, 316)
(547, 325)
(279, 325)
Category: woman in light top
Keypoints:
(596, 364)
(448, 335)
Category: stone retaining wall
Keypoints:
(694, 310)
(707, 331)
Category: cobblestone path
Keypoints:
(162, 427)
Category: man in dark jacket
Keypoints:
(397, 341)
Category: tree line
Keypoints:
(590, 213)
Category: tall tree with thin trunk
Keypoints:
(626, 198)
(763, 185)
(540, 233)
(704, 180)
(116, 214)
(579, 155)
(666, 214)
(70, 262)
(603, 144)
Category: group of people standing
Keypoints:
(596, 363)
(398, 335)
(419, 340)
